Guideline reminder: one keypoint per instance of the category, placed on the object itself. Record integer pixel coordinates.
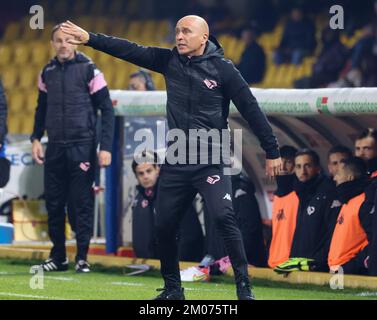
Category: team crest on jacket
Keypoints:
(310, 210)
(341, 219)
(144, 203)
(213, 179)
(210, 83)
(280, 216)
(85, 166)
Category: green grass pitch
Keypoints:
(114, 284)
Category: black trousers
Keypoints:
(177, 188)
(69, 177)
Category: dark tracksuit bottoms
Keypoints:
(177, 189)
(69, 174)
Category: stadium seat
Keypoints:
(26, 123)
(31, 100)
(16, 99)
(12, 32)
(5, 54)
(9, 77)
(21, 54)
(39, 53)
(28, 77)
(14, 124)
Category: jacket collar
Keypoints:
(350, 189)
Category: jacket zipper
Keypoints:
(63, 106)
(189, 96)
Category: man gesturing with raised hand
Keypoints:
(200, 83)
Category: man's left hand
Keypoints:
(273, 167)
(104, 158)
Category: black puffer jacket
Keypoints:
(69, 95)
(199, 89)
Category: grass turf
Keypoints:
(114, 284)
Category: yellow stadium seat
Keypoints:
(28, 78)
(13, 124)
(118, 27)
(5, 54)
(28, 34)
(9, 77)
(163, 28)
(21, 54)
(39, 53)
(26, 123)
(31, 100)
(45, 35)
(12, 31)
(16, 100)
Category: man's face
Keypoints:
(64, 50)
(335, 160)
(147, 174)
(366, 148)
(189, 37)
(342, 175)
(288, 165)
(296, 15)
(305, 169)
(138, 84)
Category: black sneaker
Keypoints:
(244, 291)
(82, 266)
(171, 294)
(52, 265)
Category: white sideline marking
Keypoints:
(4, 273)
(127, 284)
(59, 278)
(205, 289)
(367, 294)
(9, 294)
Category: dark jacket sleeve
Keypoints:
(152, 58)
(237, 90)
(100, 97)
(40, 112)
(3, 115)
(366, 212)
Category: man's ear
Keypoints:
(205, 38)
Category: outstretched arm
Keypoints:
(236, 89)
(152, 58)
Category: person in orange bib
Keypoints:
(366, 148)
(284, 210)
(349, 244)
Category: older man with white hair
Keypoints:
(200, 83)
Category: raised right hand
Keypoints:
(80, 36)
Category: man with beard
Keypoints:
(366, 148)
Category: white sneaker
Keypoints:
(82, 266)
(195, 274)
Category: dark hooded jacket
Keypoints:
(199, 89)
